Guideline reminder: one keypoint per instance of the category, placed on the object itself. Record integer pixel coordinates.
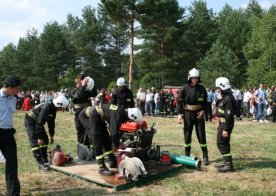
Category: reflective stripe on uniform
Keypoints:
(221, 111)
(203, 145)
(104, 154)
(188, 145)
(128, 99)
(200, 99)
(113, 107)
(226, 155)
(39, 147)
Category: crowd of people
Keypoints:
(99, 114)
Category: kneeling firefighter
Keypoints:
(105, 122)
(226, 107)
(35, 120)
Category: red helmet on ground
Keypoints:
(58, 158)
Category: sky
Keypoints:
(19, 16)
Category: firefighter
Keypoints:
(81, 98)
(35, 120)
(191, 105)
(104, 122)
(122, 96)
(226, 108)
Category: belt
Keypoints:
(193, 107)
(5, 129)
(81, 105)
(221, 120)
(87, 111)
(32, 115)
(274, 103)
(100, 112)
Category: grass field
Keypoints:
(253, 150)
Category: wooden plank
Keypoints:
(88, 170)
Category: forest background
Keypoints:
(236, 43)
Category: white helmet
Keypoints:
(223, 83)
(193, 73)
(134, 114)
(121, 81)
(61, 102)
(90, 83)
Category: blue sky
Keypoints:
(19, 16)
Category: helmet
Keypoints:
(121, 81)
(193, 73)
(90, 83)
(61, 102)
(223, 83)
(134, 114)
(58, 158)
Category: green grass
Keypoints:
(253, 149)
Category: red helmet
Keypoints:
(58, 158)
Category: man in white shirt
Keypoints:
(246, 102)
(141, 100)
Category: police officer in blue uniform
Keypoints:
(7, 140)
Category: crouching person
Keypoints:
(226, 107)
(35, 120)
(105, 122)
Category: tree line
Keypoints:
(236, 43)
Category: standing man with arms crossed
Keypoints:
(7, 140)
(226, 109)
(191, 105)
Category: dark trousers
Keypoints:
(190, 120)
(223, 144)
(85, 123)
(8, 148)
(80, 129)
(39, 152)
(238, 108)
(208, 112)
(274, 113)
(142, 105)
(99, 134)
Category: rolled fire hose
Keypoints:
(186, 160)
(131, 168)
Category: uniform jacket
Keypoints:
(45, 112)
(123, 98)
(226, 108)
(114, 116)
(192, 96)
(80, 95)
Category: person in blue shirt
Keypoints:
(208, 111)
(7, 140)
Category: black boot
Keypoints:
(112, 161)
(44, 156)
(205, 157)
(228, 166)
(187, 151)
(43, 167)
(103, 169)
(220, 164)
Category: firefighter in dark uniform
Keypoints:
(122, 96)
(84, 120)
(225, 111)
(105, 122)
(35, 120)
(7, 141)
(81, 96)
(191, 104)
